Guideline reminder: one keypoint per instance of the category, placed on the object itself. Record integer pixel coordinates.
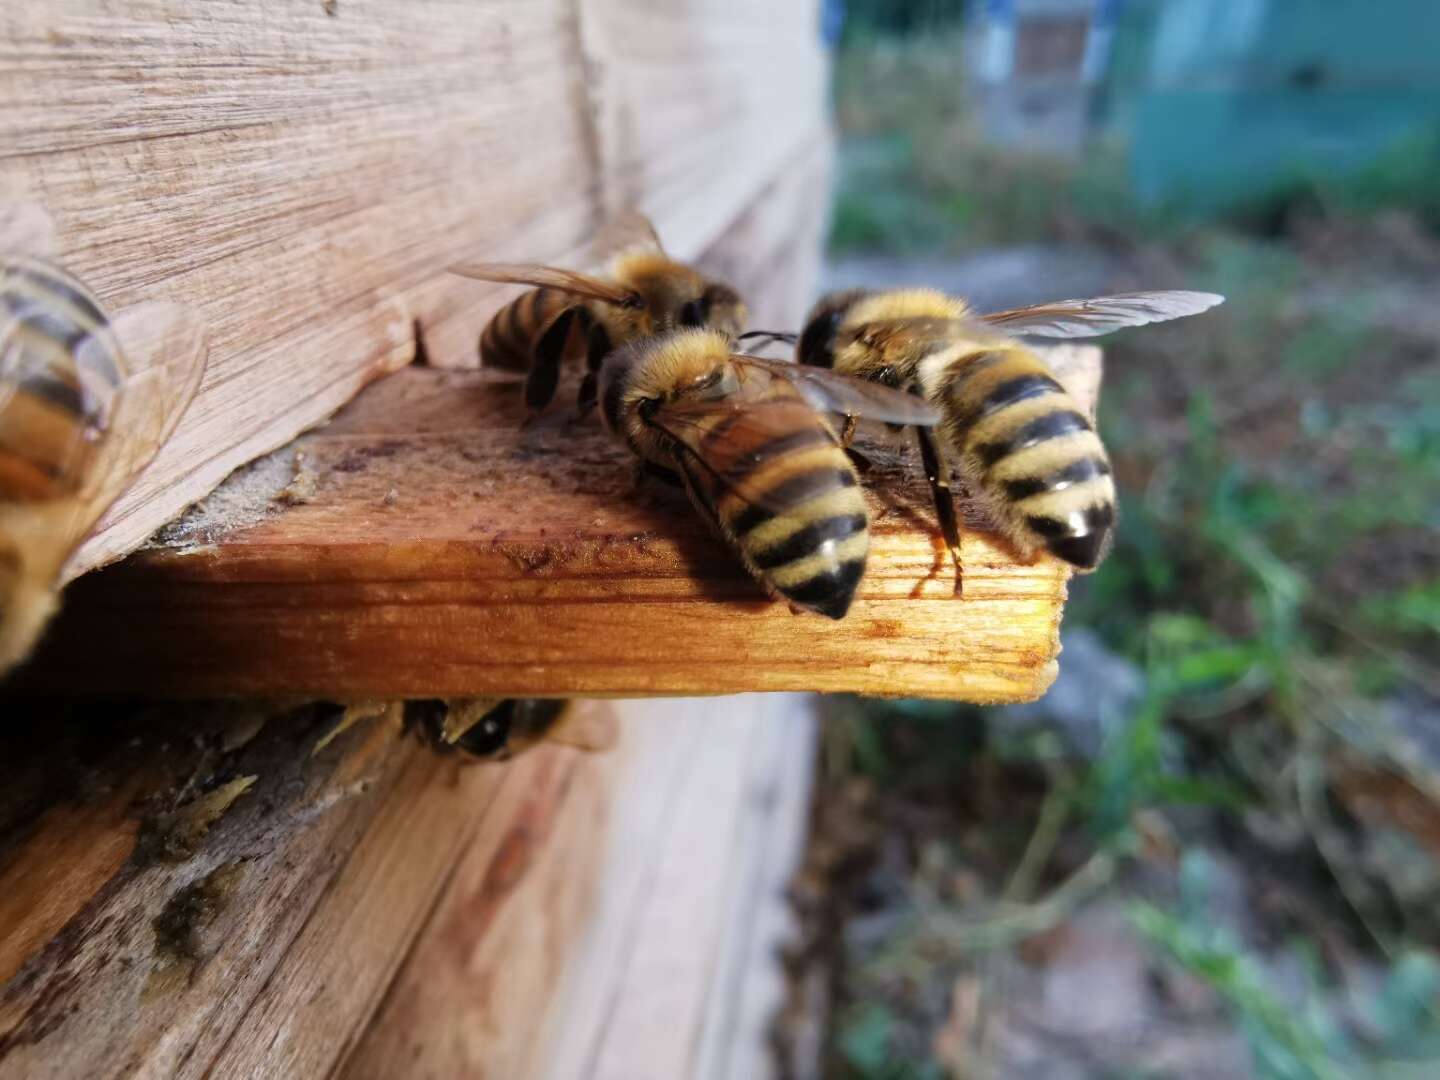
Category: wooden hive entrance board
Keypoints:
(438, 550)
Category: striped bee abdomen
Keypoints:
(1026, 445)
(60, 373)
(787, 497)
(508, 340)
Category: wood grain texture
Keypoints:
(362, 832)
(444, 552)
(679, 857)
(396, 914)
(305, 178)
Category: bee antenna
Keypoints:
(769, 336)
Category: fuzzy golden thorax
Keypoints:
(904, 304)
(861, 333)
(645, 374)
(873, 341)
(674, 295)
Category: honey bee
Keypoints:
(85, 402)
(644, 292)
(1019, 439)
(498, 729)
(751, 442)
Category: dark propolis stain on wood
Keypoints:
(176, 836)
(106, 811)
(358, 460)
(189, 910)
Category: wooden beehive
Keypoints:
(373, 910)
(438, 550)
(303, 173)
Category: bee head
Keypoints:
(487, 738)
(817, 340)
(641, 376)
(718, 307)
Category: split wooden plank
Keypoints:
(304, 174)
(698, 100)
(670, 988)
(363, 831)
(687, 872)
(750, 991)
(443, 551)
(390, 912)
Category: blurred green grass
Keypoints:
(1276, 573)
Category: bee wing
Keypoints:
(830, 391)
(169, 343)
(1102, 314)
(760, 413)
(629, 230)
(549, 277)
(25, 228)
(165, 346)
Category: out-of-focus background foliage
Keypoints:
(1214, 848)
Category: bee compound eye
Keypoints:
(817, 342)
(695, 313)
(488, 737)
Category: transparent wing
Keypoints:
(830, 391)
(25, 228)
(550, 277)
(761, 413)
(165, 346)
(629, 230)
(1102, 314)
(169, 340)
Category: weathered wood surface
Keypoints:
(441, 551)
(389, 912)
(676, 972)
(304, 172)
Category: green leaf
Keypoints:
(1193, 791)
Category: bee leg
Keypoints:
(859, 460)
(939, 476)
(648, 470)
(847, 433)
(597, 348)
(549, 351)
